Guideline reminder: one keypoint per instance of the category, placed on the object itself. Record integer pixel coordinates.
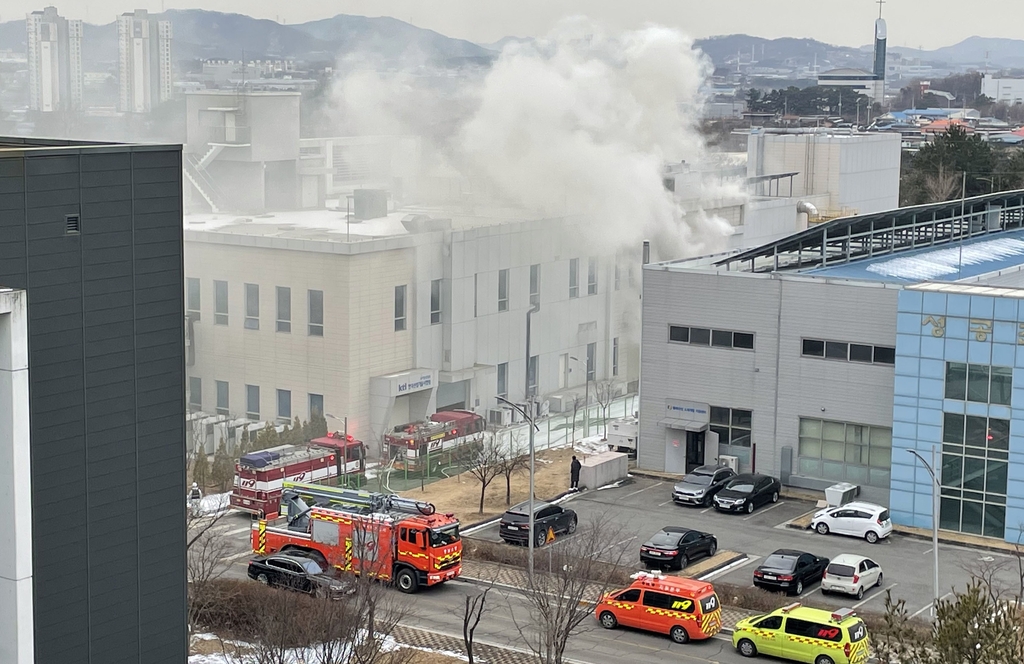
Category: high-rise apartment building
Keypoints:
(54, 61)
(144, 61)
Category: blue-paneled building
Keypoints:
(959, 389)
(864, 338)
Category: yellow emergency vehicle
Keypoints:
(803, 634)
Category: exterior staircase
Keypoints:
(195, 173)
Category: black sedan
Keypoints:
(675, 547)
(746, 492)
(790, 571)
(515, 523)
(295, 573)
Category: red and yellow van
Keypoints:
(682, 608)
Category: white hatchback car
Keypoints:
(850, 575)
(865, 520)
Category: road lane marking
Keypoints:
(706, 510)
(643, 489)
(612, 546)
(928, 606)
(238, 530)
(236, 556)
(727, 568)
(878, 594)
(926, 551)
(810, 592)
(767, 509)
(665, 503)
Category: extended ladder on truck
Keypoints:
(351, 499)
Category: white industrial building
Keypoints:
(144, 65)
(1003, 89)
(54, 47)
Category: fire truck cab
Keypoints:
(382, 535)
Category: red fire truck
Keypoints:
(259, 476)
(411, 444)
(382, 535)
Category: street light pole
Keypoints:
(533, 428)
(936, 486)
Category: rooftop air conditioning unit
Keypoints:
(499, 417)
(557, 403)
(732, 462)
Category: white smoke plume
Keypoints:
(580, 123)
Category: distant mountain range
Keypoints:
(205, 34)
(388, 41)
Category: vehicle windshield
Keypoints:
(840, 570)
(444, 536)
(312, 567)
(697, 478)
(665, 539)
(776, 561)
(743, 486)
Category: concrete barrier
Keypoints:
(604, 468)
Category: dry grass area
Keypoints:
(461, 494)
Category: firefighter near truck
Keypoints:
(260, 476)
(423, 447)
(395, 539)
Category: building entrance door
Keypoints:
(694, 450)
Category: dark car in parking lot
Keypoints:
(515, 522)
(745, 493)
(790, 571)
(700, 486)
(675, 547)
(295, 572)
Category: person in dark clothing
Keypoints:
(574, 473)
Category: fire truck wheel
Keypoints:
(608, 620)
(679, 635)
(262, 578)
(406, 580)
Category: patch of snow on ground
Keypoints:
(291, 656)
(212, 505)
(591, 445)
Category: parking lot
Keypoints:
(643, 507)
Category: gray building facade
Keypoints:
(92, 234)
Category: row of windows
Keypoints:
(849, 352)
(534, 364)
(855, 453)
(979, 382)
(252, 400)
(283, 296)
(732, 425)
(703, 336)
(503, 285)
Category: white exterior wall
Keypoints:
(859, 172)
(16, 612)
(774, 380)
(1007, 90)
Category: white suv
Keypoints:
(865, 520)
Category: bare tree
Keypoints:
(204, 564)
(604, 394)
(577, 404)
(584, 567)
(473, 611)
(512, 461)
(485, 466)
(942, 185)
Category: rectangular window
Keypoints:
(974, 481)
(592, 361)
(592, 276)
(503, 379)
(534, 284)
(316, 405)
(813, 348)
(837, 350)
(284, 404)
(284, 309)
(220, 303)
(743, 340)
(316, 313)
(195, 392)
(503, 290)
(399, 308)
(192, 297)
(531, 375)
(476, 283)
(252, 402)
(956, 381)
(700, 336)
(861, 353)
(252, 306)
(678, 334)
(977, 383)
(732, 426)
(618, 277)
(615, 356)
(1002, 383)
(574, 277)
(844, 451)
(222, 397)
(721, 338)
(435, 301)
(885, 355)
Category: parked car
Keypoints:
(295, 573)
(851, 575)
(673, 546)
(744, 493)
(515, 522)
(858, 519)
(790, 571)
(700, 486)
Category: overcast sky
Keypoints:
(912, 23)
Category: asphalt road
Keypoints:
(643, 507)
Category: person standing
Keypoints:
(574, 473)
(195, 498)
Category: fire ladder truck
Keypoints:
(382, 535)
